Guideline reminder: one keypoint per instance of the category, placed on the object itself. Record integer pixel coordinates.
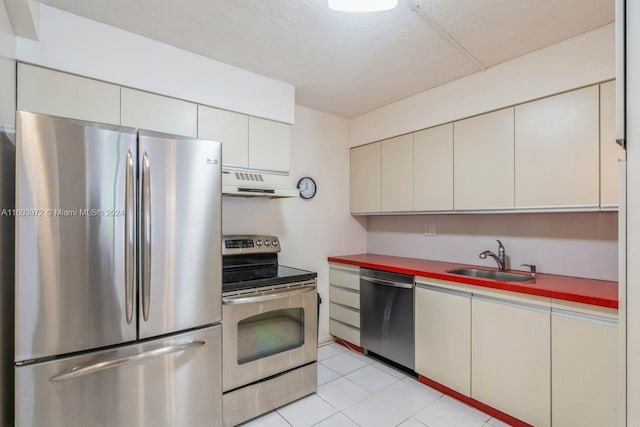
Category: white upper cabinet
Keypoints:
(483, 162)
(229, 128)
(433, 169)
(365, 178)
(610, 151)
(557, 151)
(269, 145)
(60, 94)
(158, 113)
(397, 174)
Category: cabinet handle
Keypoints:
(355, 328)
(522, 305)
(584, 316)
(355, 270)
(443, 290)
(387, 283)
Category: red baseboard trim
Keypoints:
(475, 403)
(349, 345)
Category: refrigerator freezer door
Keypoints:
(75, 231)
(174, 381)
(180, 223)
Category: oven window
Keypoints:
(270, 333)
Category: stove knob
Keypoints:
(259, 242)
(274, 242)
(267, 243)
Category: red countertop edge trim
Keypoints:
(512, 421)
(349, 345)
(512, 287)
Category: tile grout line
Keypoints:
(403, 415)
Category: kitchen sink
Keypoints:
(501, 276)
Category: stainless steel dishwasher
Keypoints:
(386, 315)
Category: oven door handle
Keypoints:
(267, 295)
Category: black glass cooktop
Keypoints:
(267, 275)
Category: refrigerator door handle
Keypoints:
(129, 226)
(146, 238)
(82, 370)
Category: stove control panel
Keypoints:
(249, 244)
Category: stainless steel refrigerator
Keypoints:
(118, 276)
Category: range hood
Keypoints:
(254, 183)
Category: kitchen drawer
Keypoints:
(345, 314)
(344, 297)
(344, 331)
(345, 277)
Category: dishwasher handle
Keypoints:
(387, 283)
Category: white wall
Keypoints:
(7, 39)
(633, 213)
(78, 45)
(571, 244)
(579, 61)
(310, 231)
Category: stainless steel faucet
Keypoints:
(500, 258)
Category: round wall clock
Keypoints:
(307, 187)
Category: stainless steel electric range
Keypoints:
(269, 329)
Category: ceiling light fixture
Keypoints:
(362, 5)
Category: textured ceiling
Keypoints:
(344, 63)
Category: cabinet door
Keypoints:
(433, 169)
(584, 370)
(610, 151)
(158, 113)
(483, 161)
(397, 174)
(344, 307)
(269, 145)
(65, 95)
(511, 357)
(232, 129)
(557, 151)
(443, 336)
(365, 178)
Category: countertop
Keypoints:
(601, 293)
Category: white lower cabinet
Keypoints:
(545, 362)
(443, 334)
(344, 302)
(510, 357)
(584, 361)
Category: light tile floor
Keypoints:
(356, 390)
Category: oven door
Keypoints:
(267, 332)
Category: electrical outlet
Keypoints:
(430, 230)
